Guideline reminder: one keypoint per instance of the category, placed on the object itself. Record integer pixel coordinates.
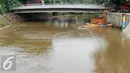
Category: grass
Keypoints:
(2, 25)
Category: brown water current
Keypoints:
(58, 46)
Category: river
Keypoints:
(58, 46)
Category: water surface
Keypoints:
(58, 46)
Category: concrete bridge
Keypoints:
(59, 8)
(40, 11)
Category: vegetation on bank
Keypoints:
(6, 5)
(2, 25)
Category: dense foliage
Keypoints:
(109, 2)
(116, 2)
(6, 5)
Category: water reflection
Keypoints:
(61, 22)
(71, 21)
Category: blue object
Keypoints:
(123, 25)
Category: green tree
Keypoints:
(22, 1)
(116, 2)
(6, 5)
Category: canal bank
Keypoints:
(116, 19)
(7, 19)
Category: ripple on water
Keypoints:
(69, 55)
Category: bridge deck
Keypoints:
(60, 6)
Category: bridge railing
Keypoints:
(34, 2)
(41, 2)
(67, 4)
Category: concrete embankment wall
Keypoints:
(116, 20)
(8, 18)
(126, 31)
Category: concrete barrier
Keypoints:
(116, 20)
(126, 31)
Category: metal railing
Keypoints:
(34, 2)
(57, 2)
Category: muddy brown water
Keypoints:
(58, 46)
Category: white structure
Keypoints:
(58, 8)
